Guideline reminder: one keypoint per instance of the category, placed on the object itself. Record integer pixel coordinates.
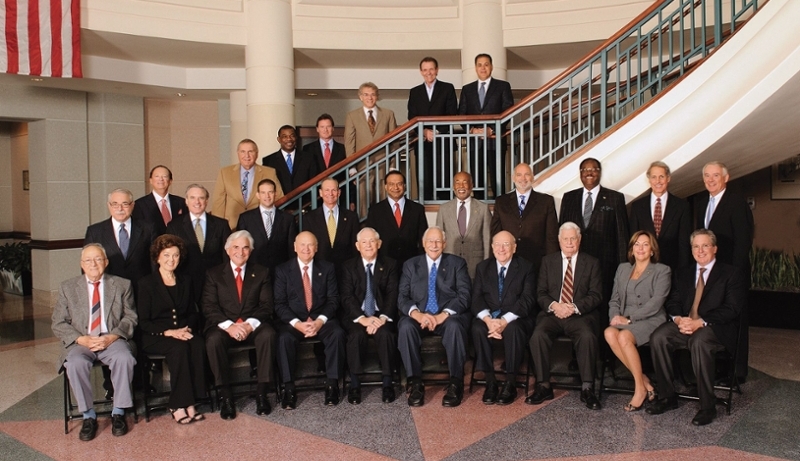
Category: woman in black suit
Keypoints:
(168, 319)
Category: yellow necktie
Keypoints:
(331, 227)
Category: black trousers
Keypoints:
(218, 342)
(385, 343)
(187, 366)
(454, 339)
(333, 339)
(515, 338)
(581, 329)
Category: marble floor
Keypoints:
(763, 425)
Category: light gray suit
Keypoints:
(475, 245)
(647, 310)
(71, 321)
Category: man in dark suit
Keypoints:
(569, 293)
(486, 96)
(326, 153)
(529, 216)
(273, 230)
(306, 304)
(159, 207)
(434, 299)
(503, 299)
(432, 97)
(727, 214)
(96, 322)
(204, 235)
(237, 304)
(334, 227)
(368, 286)
(294, 167)
(665, 215)
(400, 221)
(711, 294)
(603, 219)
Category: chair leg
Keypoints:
(67, 403)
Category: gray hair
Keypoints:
(197, 186)
(95, 245)
(444, 236)
(368, 229)
(569, 225)
(707, 232)
(717, 163)
(120, 190)
(237, 235)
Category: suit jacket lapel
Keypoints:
(230, 283)
(599, 203)
(529, 205)
(511, 274)
(668, 215)
(474, 219)
(109, 291)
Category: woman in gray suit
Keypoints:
(636, 308)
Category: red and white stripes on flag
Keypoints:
(41, 37)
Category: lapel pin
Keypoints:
(319, 274)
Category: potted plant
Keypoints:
(15, 264)
(774, 299)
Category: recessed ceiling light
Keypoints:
(37, 79)
(312, 94)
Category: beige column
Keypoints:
(238, 114)
(269, 59)
(482, 33)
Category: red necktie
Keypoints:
(566, 289)
(657, 216)
(239, 282)
(165, 212)
(94, 314)
(397, 216)
(327, 155)
(307, 288)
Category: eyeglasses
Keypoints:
(501, 245)
(704, 246)
(98, 260)
(120, 204)
(590, 170)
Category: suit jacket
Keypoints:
(587, 284)
(606, 236)
(137, 264)
(723, 300)
(442, 102)
(279, 248)
(290, 300)
(519, 288)
(652, 286)
(221, 299)
(498, 98)
(227, 201)
(353, 287)
(304, 167)
(71, 312)
(452, 284)
(536, 231)
(195, 263)
(676, 227)
(399, 243)
(356, 130)
(147, 209)
(156, 307)
(475, 245)
(344, 243)
(315, 150)
(732, 223)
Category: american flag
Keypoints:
(40, 37)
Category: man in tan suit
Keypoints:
(468, 231)
(367, 124)
(235, 191)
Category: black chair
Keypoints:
(519, 384)
(610, 365)
(573, 378)
(245, 379)
(434, 361)
(373, 374)
(70, 408)
(309, 372)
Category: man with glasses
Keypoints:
(369, 122)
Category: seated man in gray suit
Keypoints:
(433, 298)
(93, 312)
(569, 292)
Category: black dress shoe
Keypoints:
(507, 394)
(332, 394)
(416, 398)
(704, 417)
(662, 405)
(354, 395)
(88, 429)
(263, 407)
(540, 394)
(490, 394)
(227, 410)
(453, 396)
(387, 395)
(289, 400)
(590, 399)
(119, 426)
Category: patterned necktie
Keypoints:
(462, 219)
(566, 289)
(289, 163)
(307, 288)
(94, 313)
(327, 155)
(587, 209)
(521, 205)
(165, 212)
(239, 283)
(501, 280)
(331, 227)
(709, 210)
(369, 296)
(482, 93)
(397, 216)
(432, 306)
(657, 216)
(698, 293)
(245, 182)
(371, 122)
(198, 232)
(268, 223)
(124, 241)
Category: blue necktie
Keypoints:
(124, 241)
(369, 297)
(501, 280)
(432, 307)
(289, 163)
(709, 210)
(482, 93)
(521, 205)
(244, 185)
